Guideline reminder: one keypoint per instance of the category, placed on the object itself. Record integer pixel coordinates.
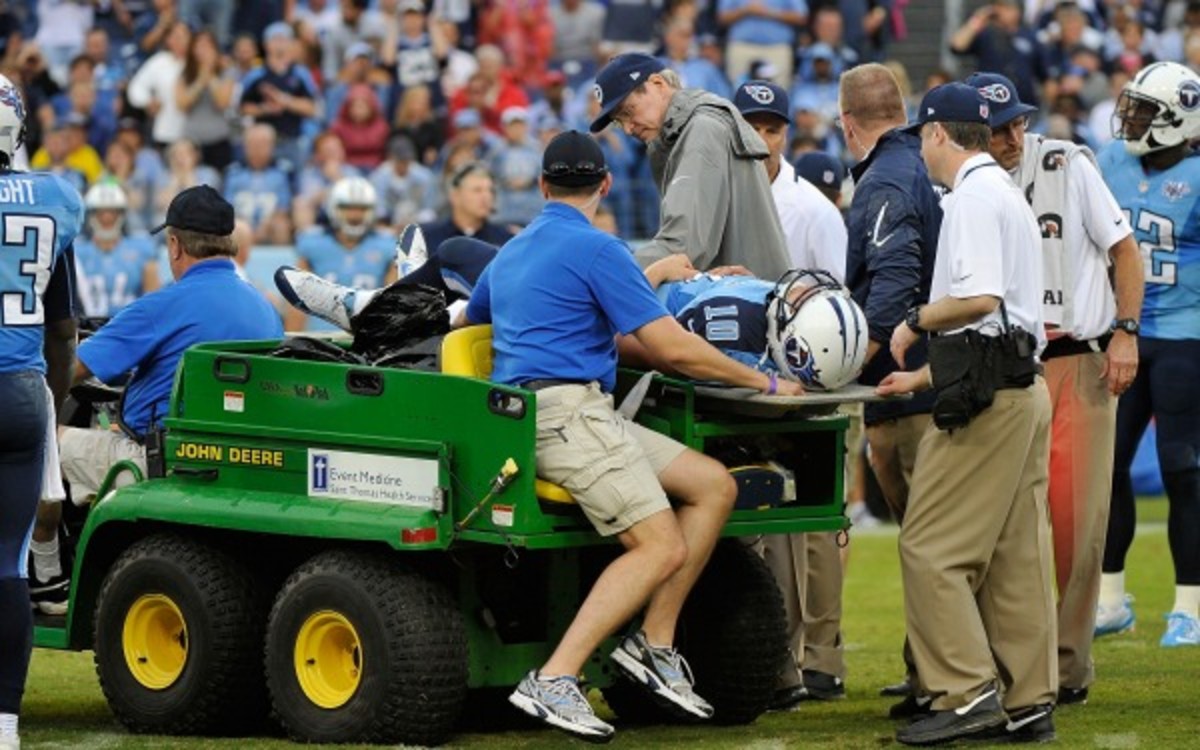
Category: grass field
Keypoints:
(1145, 696)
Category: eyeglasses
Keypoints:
(579, 169)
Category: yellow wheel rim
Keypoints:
(328, 659)
(155, 641)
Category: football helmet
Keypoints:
(12, 119)
(1159, 108)
(816, 334)
(102, 196)
(351, 192)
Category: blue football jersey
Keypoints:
(363, 267)
(1164, 210)
(729, 312)
(40, 214)
(256, 195)
(110, 280)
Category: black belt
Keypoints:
(539, 385)
(1067, 346)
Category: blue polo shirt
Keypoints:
(556, 296)
(208, 303)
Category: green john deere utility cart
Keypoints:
(366, 555)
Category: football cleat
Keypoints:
(1117, 619)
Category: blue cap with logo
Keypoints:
(1001, 96)
(762, 96)
(617, 79)
(820, 169)
(951, 102)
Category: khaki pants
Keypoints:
(976, 558)
(808, 569)
(739, 56)
(1081, 460)
(87, 455)
(893, 455)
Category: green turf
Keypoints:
(1145, 696)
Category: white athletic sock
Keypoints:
(358, 300)
(1187, 599)
(45, 559)
(8, 725)
(1112, 589)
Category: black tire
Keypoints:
(220, 687)
(733, 631)
(407, 652)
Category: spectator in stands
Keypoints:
(118, 169)
(354, 17)
(1129, 45)
(1173, 41)
(516, 163)
(694, 71)
(578, 31)
(108, 69)
(152, 26)
(245, 57)
(491, 90)
(818, 92)
(98, 112)
(327, 166)
(630, 26)
(761, 30)
(1058, 41)
(363, 128)
(555, 101)
(61, 28)
(55, 157)
(523, 30)
(471, 194)
(457, 64)
(152, 88)
(281, 93)
(143, 171)
(320, 15)
(80, 154)
(349, 251)
(214, 15)
(469, 133)
(358, 67)
(260, 191)
(416, 119)
(406, 190)
(203, 93)
(183, 171)
(868, 27)
(828, 27)
(409, 47)
(1002, 43)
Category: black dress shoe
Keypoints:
(912, 707)
(785, 699)
(1033, 724)
(1068, 696)
(897, 690)
(979, 717)
(822, 687)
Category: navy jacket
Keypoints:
(893, 230)
(437, 232)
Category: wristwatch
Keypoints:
(1128, 325)
(912, 319)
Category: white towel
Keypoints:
(52, 484)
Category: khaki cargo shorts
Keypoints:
(87, 455)
(608, 463)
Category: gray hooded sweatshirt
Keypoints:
(716, 205)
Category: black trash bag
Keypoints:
(399, 326)
(315, 350)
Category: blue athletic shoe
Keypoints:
(1119, 619)
(1182, 630)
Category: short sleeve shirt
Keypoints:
(556, 296)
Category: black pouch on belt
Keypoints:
(962, 367)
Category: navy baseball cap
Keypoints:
(951, 102)
(573, 159)
(1001, 96)
(762, 96)
(199, 209)
(821, 169)
(621, 75)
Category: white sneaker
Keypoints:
(10, 742)
(411, 252)
(1118, 619)
(316, 296)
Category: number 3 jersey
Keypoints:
(1164, 210)
(40, 214)
(109, 280)
(729, 312)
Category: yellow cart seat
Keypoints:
(468, 352)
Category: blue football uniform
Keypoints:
(256, 194)
(364, 267)
(1164, 210)
(729, 312)
(40, 215)
(110, 281)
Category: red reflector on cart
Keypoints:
(419, 536)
